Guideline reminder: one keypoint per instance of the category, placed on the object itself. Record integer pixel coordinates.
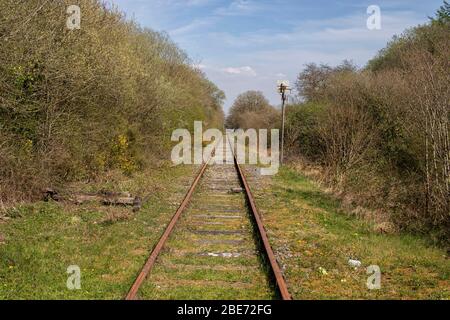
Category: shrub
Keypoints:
(76, 103)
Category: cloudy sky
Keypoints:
(250, 44)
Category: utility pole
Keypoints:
(283, 87)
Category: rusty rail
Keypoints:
(280, 281)
(152, 259)
(275, 268)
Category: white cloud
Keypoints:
(337, 33)
(279, 56)
(239, 8)
(195, 25)
(197, 2)
(248, 71)
(245, 71)
(232, 43)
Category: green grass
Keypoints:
(191, 265)
(306, 227)
(43, 239)
(309, 231)
(216, 291)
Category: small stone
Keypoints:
(236, 190)
(323, 271)
(211, 254)
(354, 263)
(224, 254)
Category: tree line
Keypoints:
(379, 134)
(382, 133)
(77, 103)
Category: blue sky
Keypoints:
(250, 44)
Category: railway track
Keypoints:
(215, 246)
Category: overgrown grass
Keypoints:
(307, 228)
(314, 239)
(44, 239)
(194, 263)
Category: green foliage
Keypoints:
(308, 220)
(302, 129)
(70, 99)
(109, 244)
(252, 110)
(427, 37)
(382, 132)
(443, 14)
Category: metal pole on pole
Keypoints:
(283, 112)
(283, 86)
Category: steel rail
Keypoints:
(276, 271)
(162, 241)
(275, 268)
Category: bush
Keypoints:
(76, 103)
(252, 110)
(382, 133)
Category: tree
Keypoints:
(311, 81)
(251, 110)
(383, 132)
(77, 103)
(346, 66)
(443, 14)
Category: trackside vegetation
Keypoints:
(379, 136)
(75, 104)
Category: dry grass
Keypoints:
(381, 135)
(43, 239)
(314, 238)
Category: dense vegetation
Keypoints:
(77, 103)
(252, 110)
(381, 134)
